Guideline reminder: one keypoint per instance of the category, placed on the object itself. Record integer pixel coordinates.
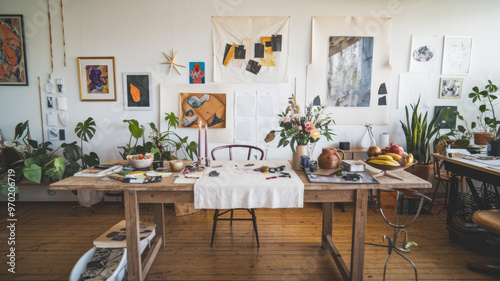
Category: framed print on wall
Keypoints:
(13, 67)
(97, 78)
(137, 91)
(450, 88)
(457, 51)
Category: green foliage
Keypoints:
(419, 132)
(85, 132)
(5, 190)
(485, 101)
(461, 135)
(136, 132)
(43, 162)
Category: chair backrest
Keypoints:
(438, 165)
(230, 150)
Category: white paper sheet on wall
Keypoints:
(267, 105)
(244, 131)
(415, 85)
(62, 103)
(52, 119)
(245, 104)
(424, 53)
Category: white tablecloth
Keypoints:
(238, 186)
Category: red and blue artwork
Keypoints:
(196, 73)
(12, 51)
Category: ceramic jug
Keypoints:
(330, 158)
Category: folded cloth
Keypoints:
(239, 186)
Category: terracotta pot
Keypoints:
(299, 151)
(422, 171)
(480, 138)
(330, 158)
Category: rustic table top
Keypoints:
(480, 166)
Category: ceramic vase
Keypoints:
(330, 158)
(368, 139)
(299, 151)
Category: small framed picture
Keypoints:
(50, 102)
(137, 91)
(450, 88)
(54, 134)
(97, 78)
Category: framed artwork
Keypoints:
(204, 109)
(251, 49)
(197, 73)
(452, 119)
(13, 66)
(457, 53)
(423, 54)
(97, 78)
(137, 91)
(450, 88)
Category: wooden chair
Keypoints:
(490, 221)
(443, 179)
(11, 159)
(217, 213)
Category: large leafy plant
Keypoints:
(85, 132)
(419, 132)
(485, 101)
(460, 136)
(136, 132)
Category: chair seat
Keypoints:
(488, 219)
(443, 176)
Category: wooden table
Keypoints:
(460, 167)
(168, 192)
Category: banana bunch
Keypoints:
(409, 159)
(384, 160)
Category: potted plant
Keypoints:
(419, 133)
(457, 138)
(487, 122)
(136, 132)
(300, 130)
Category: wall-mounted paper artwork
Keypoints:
(423, 54)
(457, 53)
(137, 91)
(413, 86)
(450, 88)
(197, 72)
(209, 109)
(349, 73)
(97, 78)
(53, 134)
(250, 49)
(50, 102)
(349, 65)
(13, 70)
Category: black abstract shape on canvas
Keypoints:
(239, 52)
(216, 120)
(382, 100)
(276, 42)
(259, 50)
(382, 90)
(253, 67)
(317, 101)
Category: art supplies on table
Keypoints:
(116, 236)
(99, 172)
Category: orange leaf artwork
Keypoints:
(135, 93)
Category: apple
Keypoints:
(397, 150)
(374, 151)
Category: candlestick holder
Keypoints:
(200, 162)
(207, 161)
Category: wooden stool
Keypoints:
(490, 221)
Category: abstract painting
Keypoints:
(204, 109)
(196, 73)
(137, 91)
(349, 73)
(250, 49)
(457, 53)
(97, 78)
(13, 67)
(450, 88)
(423, 54)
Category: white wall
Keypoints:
(137, 32)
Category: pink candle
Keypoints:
(199, 140)
(206, 142)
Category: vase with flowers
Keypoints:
(302, 130)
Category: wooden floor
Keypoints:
(50, 238)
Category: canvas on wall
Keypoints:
(197, 73)
(137, 91)
(13, 66)
(423, 54)
(450, 88)
(457, 53)
(250, 49)
(350, 69)
(97, 78)
(202, 108)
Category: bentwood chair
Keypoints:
(398, 221)
(218, 213)
(442, 179)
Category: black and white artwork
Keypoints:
(423, 55)
(349, 71)
(457, 53)
(450, 88)
(53, 134)
(50, 102)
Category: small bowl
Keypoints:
(176, 165)
(140, 163)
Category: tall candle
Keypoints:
(199, 140)
(206, 142)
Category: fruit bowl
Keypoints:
(388, 167)
(139, 162)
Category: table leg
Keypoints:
(327, 223)
(452, 201)
(358, 234)
(134, 265)
(159, 216)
